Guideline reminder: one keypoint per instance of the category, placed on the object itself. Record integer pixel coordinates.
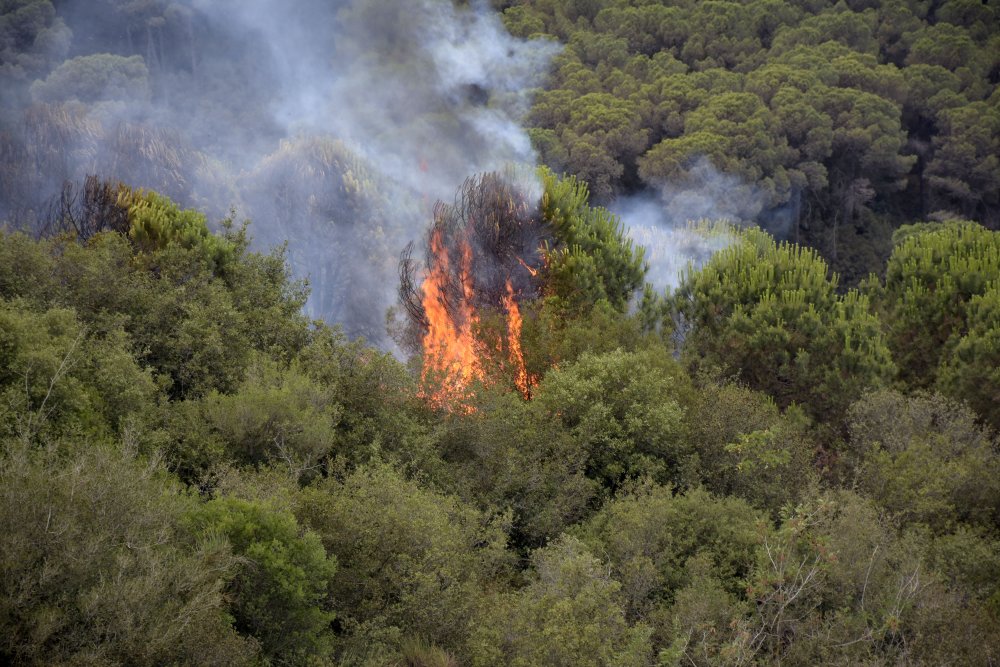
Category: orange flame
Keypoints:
(453, 358)
(521, 379)
(450, 359)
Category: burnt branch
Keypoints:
(409, 291)
(489, 236)
(97, 206)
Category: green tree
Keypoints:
(604, 137)
(648, 534)
(489, 455)
(381, 412)
(569, 614)
(838, 583)
(924, 459)
(552, 336)
(591, 258)
(156, 223)
(95, 78)
(100, 568)
(275, 415)
(739, 135)
(412, 562)
(625, 410)
(57, 377)
(850, 98)
(193, 304)
(965, 168)
(971, 373)
(278, 594)
(934, 271)
(769, 313)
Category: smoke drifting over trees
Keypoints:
(334, 126)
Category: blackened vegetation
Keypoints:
(409, 289)
(95, 207)
(490, 235)
(54, 144)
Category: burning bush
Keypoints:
(482, 257)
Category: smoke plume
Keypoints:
(334, 126)
(683, 223)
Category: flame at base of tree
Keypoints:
(450, 359)
(522, 380)
(480, 255)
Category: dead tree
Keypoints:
(97, 206)
(490, 236)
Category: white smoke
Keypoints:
(664, 222)
(333, 124)
(673, 243)
(427, 92)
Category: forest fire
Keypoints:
(450, 359)
(480, 252)
(521, 378)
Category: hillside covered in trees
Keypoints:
(538, 457)
(841, 120)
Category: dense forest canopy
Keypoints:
(539, 455)
(841, 120)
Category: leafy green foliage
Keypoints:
(747, 448)
(552, 336)
(835, 553)
(924, 459)
(488, 454)
(649, 533)
(411, 562)
(972, 371)
(381, 412)
(279, 591)
(592, 260)
(194, 328)
(57, 377)
(758, 500)
(769, 313)
(99, 568)
(625, 411)
(99, 77)
(937, 300)
(336, 400)
(827, 113)
(274, 415)
(156, 223)
(569, 614)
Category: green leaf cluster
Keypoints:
(940, 282)
(591, 259)
(770, 313)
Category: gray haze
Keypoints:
(674, 242)
(334, 126)
(426, 92)
(662, 221)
